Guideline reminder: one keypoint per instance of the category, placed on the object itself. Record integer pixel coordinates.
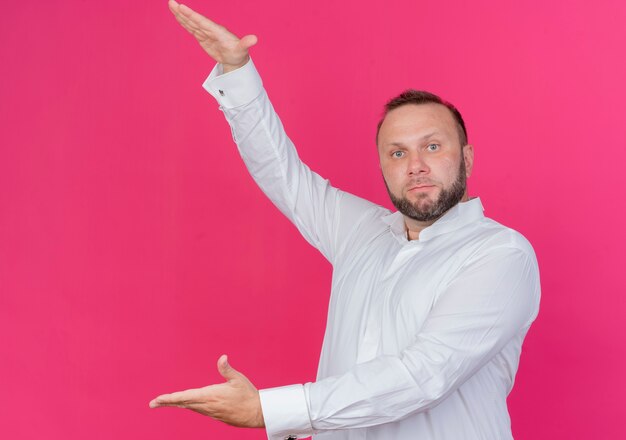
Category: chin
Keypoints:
(425, 198)
(424, 203)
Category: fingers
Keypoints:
(191, 398)
(181, 399)
(180, 18)
(197, 20)
(217, 41)
(199, 26)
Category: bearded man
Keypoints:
(429, 305)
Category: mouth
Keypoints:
(418, 188)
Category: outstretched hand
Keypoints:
(235, 402)
(222, 45)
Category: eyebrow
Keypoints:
(421, 139)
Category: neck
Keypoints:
(414, 227)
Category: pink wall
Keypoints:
(135, 249)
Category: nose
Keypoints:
(417, 165)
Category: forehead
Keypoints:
(417, 120)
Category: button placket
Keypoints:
(372, 338)
(370, 344)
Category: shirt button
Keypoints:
(221, 92)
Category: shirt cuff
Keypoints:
(286, 412)
(235, 88)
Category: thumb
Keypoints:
(248, 41)
(225, 369)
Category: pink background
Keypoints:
(135, 249)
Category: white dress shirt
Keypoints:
(423, 337)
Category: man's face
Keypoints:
(423, 164)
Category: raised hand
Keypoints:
(235, 402)
(222, 45)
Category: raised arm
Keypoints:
(324, 215)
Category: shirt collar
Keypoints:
(458, 216)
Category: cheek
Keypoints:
(393, 177)
(391, 171)
(447, 169)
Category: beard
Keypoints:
(426, 210)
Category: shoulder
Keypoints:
(495, 235)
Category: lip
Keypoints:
(421, 187)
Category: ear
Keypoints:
(468, 155)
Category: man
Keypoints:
(429, 305)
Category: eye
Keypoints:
(397, 154)
(432, 147)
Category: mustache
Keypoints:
(420, 182)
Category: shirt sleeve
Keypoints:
(493, 300)
(324, 215)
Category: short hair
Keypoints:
(418, 97)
